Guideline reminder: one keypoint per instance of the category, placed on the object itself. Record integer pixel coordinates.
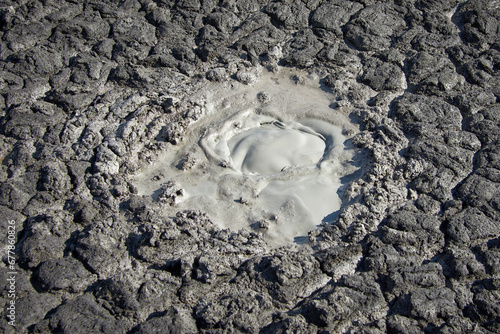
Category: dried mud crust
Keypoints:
(92, 91)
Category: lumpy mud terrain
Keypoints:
(250, 166)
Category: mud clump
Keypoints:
(94, 95)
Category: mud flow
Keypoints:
(271, 157)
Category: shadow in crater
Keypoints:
(301, 239)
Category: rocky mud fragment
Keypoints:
(95, 93)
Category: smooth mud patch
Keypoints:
(271, 147)
(271, 157)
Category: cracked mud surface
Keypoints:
(94, 93)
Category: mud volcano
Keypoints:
(250, 166)
(271, 158)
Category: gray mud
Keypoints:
(275, 166)
(141, 166)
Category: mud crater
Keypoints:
(276, 165)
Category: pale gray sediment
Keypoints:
(107, 112)
(253, 160)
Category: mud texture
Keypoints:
(92, 91)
